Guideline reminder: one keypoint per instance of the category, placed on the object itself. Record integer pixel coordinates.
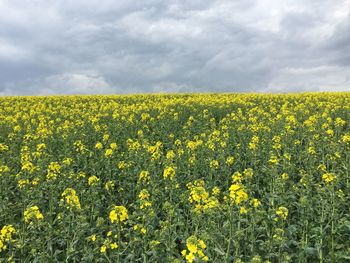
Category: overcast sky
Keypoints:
(94, 46)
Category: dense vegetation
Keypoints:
(175, 178)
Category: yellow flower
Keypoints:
(273, 160)
(230, 160)
(144, 176)
(169, 172)
(287, 156)
(345, 138)
(276, 142)
(328, 177)
(170, 155)
(190, 257)
(93, 238)
(253, 144)
(121, 165)
(114, 245)
(243, 210)
(22, 183)
(67, 161)
(28, 166)
(2, 245)
(198, 194)
(216, 190)
(238, 193)
(255, 203)
(32, 214)
(40, 147)
(6, 234)
(155, 243)
(53, 170)
(282, 212)
(200, 197)
(3, 147)
(311, 150)
(108, 152)
(201, 243)
(140, 133)
(339, 122)
(35, 181)
(192, 247)
(109, 185)
(70, 197)
(285, 176)
(210, 203)
(195, 247)
(113, 146)
(92, 180)
(105, 137)
(145, 203)
(118, 214)
(98, 145)
(103, 249)
(4, 169)
(248, 173)
(144, 194)
(330, 132)
(237, 177)
(214, 164)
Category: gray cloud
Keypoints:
(72, 47)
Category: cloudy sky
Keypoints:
(93, 46)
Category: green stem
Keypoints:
(332, 227)
(321, 235)
(230, 235)
(238, 231)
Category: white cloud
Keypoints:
(321, 78)
(78, 84)
(65, 83)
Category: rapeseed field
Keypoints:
(175, 178)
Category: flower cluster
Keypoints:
(53, 170)
(238, 193)
(70, 197)
(144, 199)
(32, 214)
(282, 212)
(194, 251)
(200, 197)
(6, 236)
(169, 173)
(118, 215)
(92, 180)
(328, 177)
